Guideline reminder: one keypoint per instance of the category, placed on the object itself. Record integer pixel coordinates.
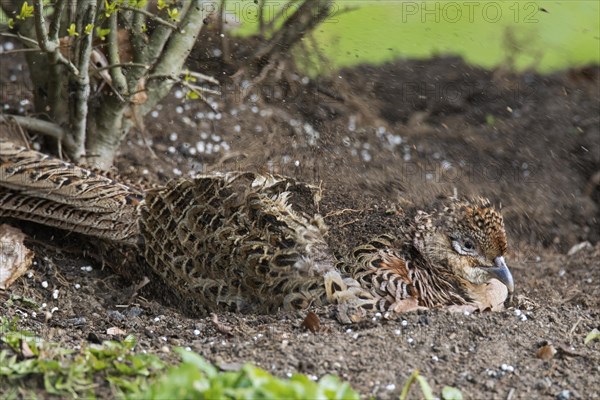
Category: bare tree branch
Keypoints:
(150, 15)
(36, 125)
(56, 19)
(175, 53)
(44, 43)
(76, 145)
(118, 79)
(302, 21)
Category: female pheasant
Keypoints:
(235, 241)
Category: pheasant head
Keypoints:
(467, 239)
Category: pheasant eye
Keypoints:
(468, 245)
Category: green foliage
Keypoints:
(31, 365)
(89, 28)
(451, 393)
(196, 378)
(448, 392)
(72, 30)
(102, 33)
(593, 335)
(173, 14)
(110, 7)
(26, 12)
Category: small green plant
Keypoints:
(36, 368)
(448, 392)
(593, 335)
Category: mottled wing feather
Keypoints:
(233, 242)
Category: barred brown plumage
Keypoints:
(235, 241)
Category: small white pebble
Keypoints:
(410, 340)
(466, 313)
(188, 348)
(54, 309)
(397, 332)
(179, 110)
(435, 358)
(404, 322)
(178, 94)
(44, 284)
(163, 338)
(44, 305)
(77, 286)
(177, 171)
(562, 273)
(355, 336)
(173, 136)
(523, 317)
(518, 312)
(288, 374)
(156, 319)
(55, 294)
(172, 150)
(154, 114)
(313, 377)
(349, 330)
(30, 274)
(196, 332)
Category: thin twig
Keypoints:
(335, 213)
(128, 64)
(202, 76)
(152, 16)
(22, 38)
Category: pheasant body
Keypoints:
(234, 241)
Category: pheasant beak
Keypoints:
(501, 272)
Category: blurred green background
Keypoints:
(541, 35)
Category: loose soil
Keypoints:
(375, 139)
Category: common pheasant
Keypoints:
(236, 241)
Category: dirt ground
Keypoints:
(374, 138)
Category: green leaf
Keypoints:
(160, 4)
(11, 23)
(198, 361)
(593, 335)
(173, 14)
(26, 11)
(102, 33)
(425, 388)
(408, 384)
(88, 29)
(451, 393)
(110, 7)
(71, 31)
